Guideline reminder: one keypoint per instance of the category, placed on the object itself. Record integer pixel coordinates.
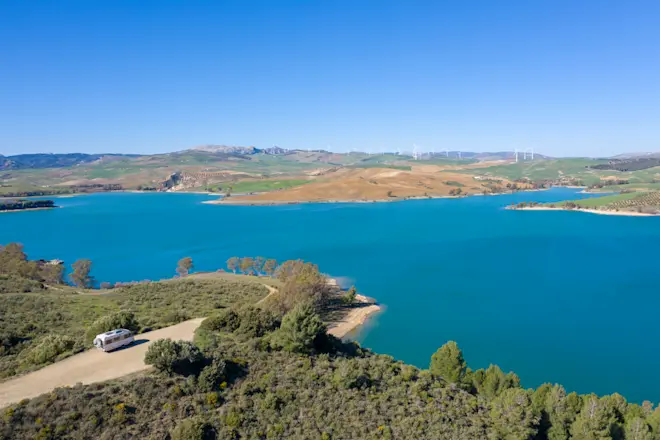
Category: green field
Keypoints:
(446, 161)
(549, 169)
(248, 186)
(597, 202)
(381, 165)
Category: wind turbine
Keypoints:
(415, 152)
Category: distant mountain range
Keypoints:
(217, 152)
(46, 160)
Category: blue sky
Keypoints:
(564, 77)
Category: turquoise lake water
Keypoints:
(556, 297)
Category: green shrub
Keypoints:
(227, 320)
(180, 357)
(17, 284)
(116, 320)
(49, 348)
(176, 317)
(256, 322)
(193, 429)
(302, 330)
(212, 376)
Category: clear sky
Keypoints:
(566, 77)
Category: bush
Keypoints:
(49, 349)
(193, 429)
(110, 322)
(180, 357)
(349, 296)
(212, 376)
(176, 317)
(16, 284)
(256, 322)
(227, 320)
(302, 330)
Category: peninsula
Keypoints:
(630, 203)
(25, 205)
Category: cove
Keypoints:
(558, 297)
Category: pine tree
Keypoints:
(448, 363)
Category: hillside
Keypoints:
(381, 184)
(270, 371)
(241, 170)
(627, 203)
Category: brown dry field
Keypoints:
(373, 184)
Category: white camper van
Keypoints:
(113, 339)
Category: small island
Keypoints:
(630, 203)
(25, 205)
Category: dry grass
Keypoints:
(374, 184)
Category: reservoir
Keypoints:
(559, 297)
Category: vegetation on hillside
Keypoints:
(630, 201)
(288, 379)
(42, 319)
(18, 205)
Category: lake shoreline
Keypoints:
(243, 202)
(589, 211)
(355, 318)
(27, 209)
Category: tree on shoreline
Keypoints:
(184, 266)
(247, 265)
(232, 264)
(80, 276)
(269, 267)
(259, 265)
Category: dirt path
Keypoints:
(92, 365)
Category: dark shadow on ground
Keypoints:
(132, 344)
(335, 309)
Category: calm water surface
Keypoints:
(554, 296)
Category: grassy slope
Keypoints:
(34, 315)
(546, 169)
(644, 201)
(265, 185)
(597, 202)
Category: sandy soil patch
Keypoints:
(590, 211)
(354, 318)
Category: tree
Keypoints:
(232, 264)
(269, 267)
(448, 363)
(180, 357)
(638, 429)
(184, 266)
(303, 283)
(596, 420)
(492, 382)
(349, 297)
(53, 273)
(513, 415)
(301, 330)
(259, 264)
(557, 409)
(247, 265)
(80, 276)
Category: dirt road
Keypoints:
(92, 365)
